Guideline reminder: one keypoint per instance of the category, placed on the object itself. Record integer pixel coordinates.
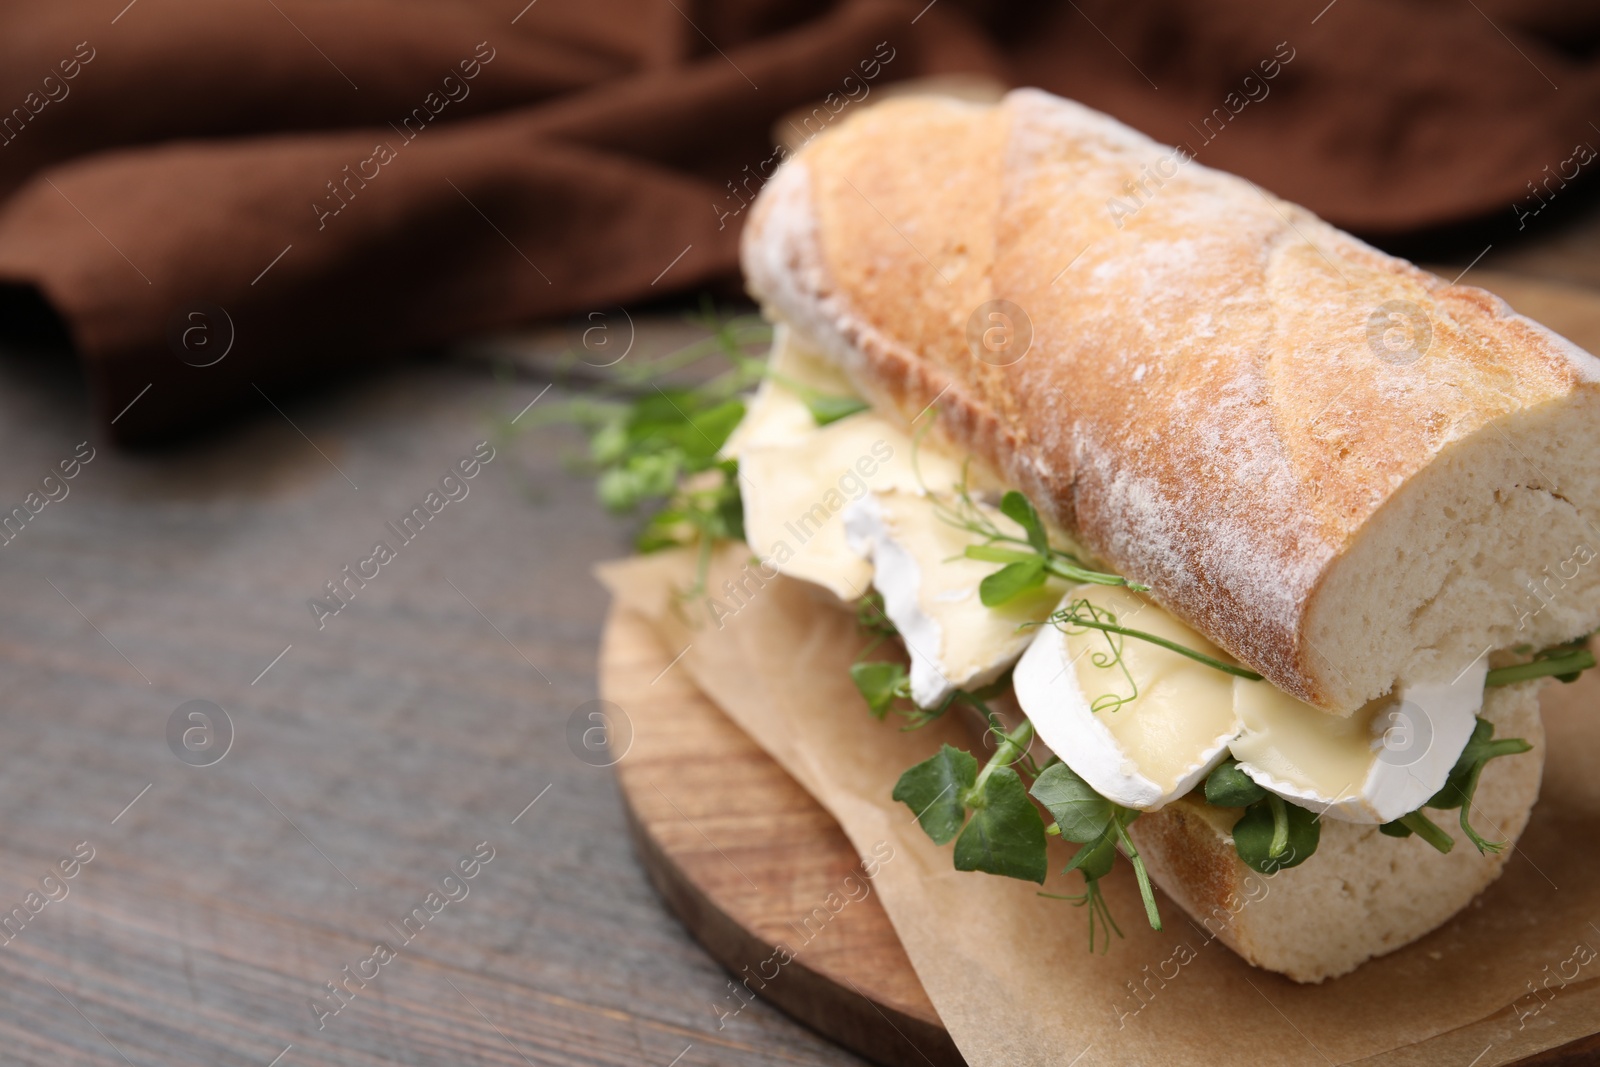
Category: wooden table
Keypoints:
(369, 756)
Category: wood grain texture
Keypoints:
(750, 862)
(390, 742)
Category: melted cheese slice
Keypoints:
(1184, 717)
(797, 478)
(1384, 761)
(1140, 723)
(777, 414)
(930, 593)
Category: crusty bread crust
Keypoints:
(1361, 894)
(1211, 403)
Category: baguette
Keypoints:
(1211, 401)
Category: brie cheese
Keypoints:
(930, 593)
(1166, 720)
(1163, 720)
(1384, 761)
(777, 414)
(797, 477)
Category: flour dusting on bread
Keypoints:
(1205, 407)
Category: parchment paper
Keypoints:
(1010, 972)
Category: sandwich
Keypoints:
(1246, 546)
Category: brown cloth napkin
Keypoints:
(222, 201)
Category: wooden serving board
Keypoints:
(745, 858)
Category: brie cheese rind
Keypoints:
(797, 477)
(1164, 721)
(856, 504)
(1142, 724)
(930, 593)
(801, 483)
(1383, 761)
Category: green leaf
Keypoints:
(712, 429)
(624, 488)
(1253, 836)
(880, 682)
(935, 790)
(1095, 859)
(684, 422)
(1462, 784)
(1480, 749)
(1229, 787)
(609, 443)
(1015, 507)
(1395, 829)
(1080, 812)
(1011, 581)
(1454, 791)
(1005, 835)
(825, 409)
(658, 419)
(726, 519)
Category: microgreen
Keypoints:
(1111, 656)
(1564, 662)
(1458, 790)
(1080, 812)
(1273, 835)
(1229, 787)
(872, 620)
(1032, 561)
(1084, 816)
(1005, 834)
(886, 684)
(1094, 861)
(1081, 613)
(881, 683)
(936, 789)
(825, 409)
(656, 448)
(1462, 784)
(1011, 581)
